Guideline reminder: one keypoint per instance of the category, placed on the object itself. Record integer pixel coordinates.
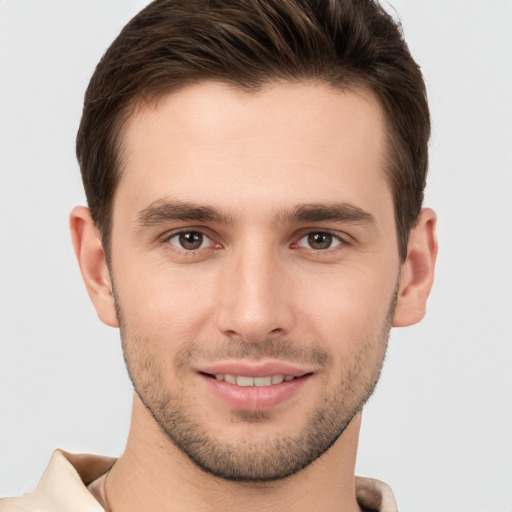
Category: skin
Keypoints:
(258, 289)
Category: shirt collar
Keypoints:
(67, 476)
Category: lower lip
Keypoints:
(255, 398)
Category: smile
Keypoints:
(245, 381)
(253, 393)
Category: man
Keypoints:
(254, 172)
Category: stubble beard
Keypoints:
(249, 460)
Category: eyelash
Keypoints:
(176, 236)
(339, 241)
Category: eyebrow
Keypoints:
(340, 212)
(166, 210)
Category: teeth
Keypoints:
(262, 381)
(244, 381)
(277, 379)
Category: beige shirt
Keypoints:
(63, 488)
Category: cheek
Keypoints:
(164, 305)
(347, 306)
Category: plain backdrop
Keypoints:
(439, 427)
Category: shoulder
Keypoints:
(63, 486)
(375, 495)
(11, 505)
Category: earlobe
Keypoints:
(417, 274)
(93, 266)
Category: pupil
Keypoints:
(191, 240)
(320, 240)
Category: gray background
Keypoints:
(439, 428)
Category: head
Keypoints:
(255, 172)
(248, 44)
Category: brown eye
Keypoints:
(319, 241)
(189, 240)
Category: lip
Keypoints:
(258, 369)
(254, 398)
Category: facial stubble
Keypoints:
(247, 460)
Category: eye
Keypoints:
(189, 240)
(319, 241)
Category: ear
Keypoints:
(91, 259)
(417, 273)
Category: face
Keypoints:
(255, 266)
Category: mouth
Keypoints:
(248, 381)
(255, 388)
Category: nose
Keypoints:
(254, 300)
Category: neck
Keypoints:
(153, 474)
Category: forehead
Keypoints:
(296, 143)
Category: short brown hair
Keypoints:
(247, 44)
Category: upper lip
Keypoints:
(254, 369)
